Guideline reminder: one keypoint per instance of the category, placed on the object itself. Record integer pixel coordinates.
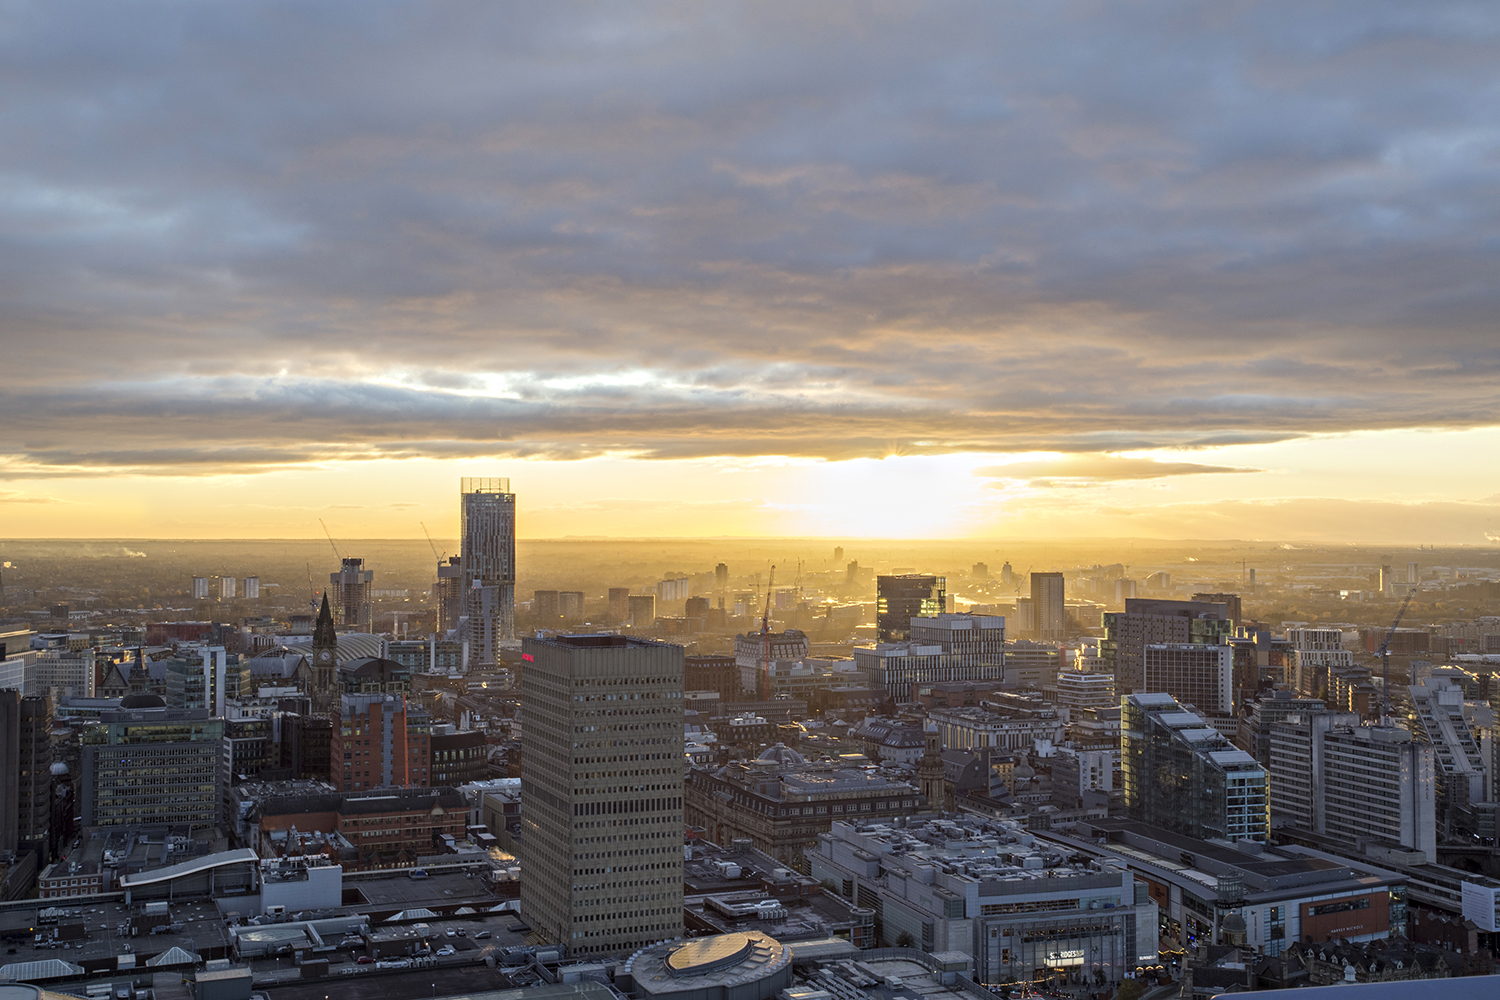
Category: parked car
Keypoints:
(447, 949)
(365, 960)
(481, 936)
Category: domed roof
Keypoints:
(143, 701)
(59, 768)
(1233, 924)
(782, 754)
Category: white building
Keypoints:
(1333, 776)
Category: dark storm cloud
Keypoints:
(258, 235)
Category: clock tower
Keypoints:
(325, 660)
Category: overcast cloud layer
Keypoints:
(253, 235)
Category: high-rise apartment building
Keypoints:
(227, 586)
(147, 765)
(899, 599)
(570, 605)
(1353, 783)
(488, 532)
(1193, 672)
(380, 741)
(200, 588)
(1146, 621)
(351, 587)
(448, 593)
(602, 744)
(544, 605)
(34, 807)
(1048, 607)
(1183, 776)
(640, 610)
(619, 604)
(10, 768)
(251, 588)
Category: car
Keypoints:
(365, 960)
(417, 873)
(447, 949)
(462, 932)
(481, 936)
(451, 932)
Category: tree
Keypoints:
(905, 940)
(1131, 989)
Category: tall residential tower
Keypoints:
(487, 510)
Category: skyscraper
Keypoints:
(351, 595)
(1047, 604)
(1147, 620)
(602, 746)
(488, 535)
(899, 599)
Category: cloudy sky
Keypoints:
(1057, 268)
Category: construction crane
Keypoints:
(431, 542)
(765, 634)
(312, 592)
(337, 554)
(1384, 652)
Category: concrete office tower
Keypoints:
(1353, 783)
(380, 741)
(1185, 777)
(200, 588)
(619, 603)
(147, 765)
(488, 533)
(227, 588)
(1196, 673)
(640, 610)
(1047, 605)
(352, 602)
(251, 588)
(447, 594)
(602, 719)
(721, 572)
(899, 599)
(1146, 621)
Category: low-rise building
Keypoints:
(981, 727)
(781, 804)
(989, 889)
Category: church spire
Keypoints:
(325, 665)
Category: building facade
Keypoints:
(602, 742)
(1185, 777)
(1195, 673)
(1355, 783)
(899, 599)
(380, 741)
(351, 587)
(1146, 621)
(146, 765)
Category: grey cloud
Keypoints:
(821, 230)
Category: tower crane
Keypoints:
(339, 555)
(1384, 652)
(765, 632)
(431, 543)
